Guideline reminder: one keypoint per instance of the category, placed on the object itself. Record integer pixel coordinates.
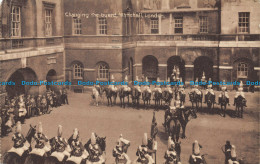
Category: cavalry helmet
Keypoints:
(196, 148)
(59, 131)
(40, 130)
(19, 127)
(93, 138)
(75, 133)
(145, 140)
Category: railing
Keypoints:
(18, 43)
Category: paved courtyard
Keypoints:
(210, 130)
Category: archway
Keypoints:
(23, 74)
(203, 64)
(177, 62)
(51, 76)
(150, 67)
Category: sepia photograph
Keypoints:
(129, 81)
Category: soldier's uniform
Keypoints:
(196, 151)
(20, 143)
(78, 152)
(170, 155)
(118, 151)
(240, 93)
(65, 96)
(10, 114)
(42, 145)
(223, 93)
(22, 110)
(62, 147)
(95, 151)
(142, 151)
(44, 105)
(209, 90)
(233, 159)
(113, 87)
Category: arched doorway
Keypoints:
(177, 62)
(150, 67)
(51, 76)
(203, 64)
(131, 70)
(23, 74)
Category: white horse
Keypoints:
(95, 95)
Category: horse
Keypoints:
(201, 160)
(174, 129)
(210, 101)
(167, 97)
(195, 99)
(135, 97)
(185, 117)
(157, 99)
(240, 103)
(13, 158)
(146, 96)
(95, 95)
(178, 154)
(122, 93)
(223, 101)
(109, 94)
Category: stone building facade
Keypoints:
(94, 39)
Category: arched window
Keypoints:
(103, 71)
(242, 70)
(77, 71)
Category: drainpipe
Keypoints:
(218, 37)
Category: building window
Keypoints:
(103, 71)
(102, 26)
(178, 27)
(242, 70)
(154, 25)
(48, 22)
(243, 22)
(77, 26)
(203, 24)
(16, 21)
(77, 71)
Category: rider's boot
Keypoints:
(234, 102)
(228, 101)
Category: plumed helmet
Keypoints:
(209, 86)
(203, 75)
(18, 127)
(59, 130)
(126, 78)
(170, 142)
(40, 130)
(240, 86)
(146, 79)
(93, 138)
(154, 119)
(112, 77)
(75, 133)
(168, 79)
(136, 78)
(196, 148)
(145, 140)
(158, 79)
(233, 151)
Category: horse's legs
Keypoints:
(177, 133)
(183, 130)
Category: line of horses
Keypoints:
(163, 98)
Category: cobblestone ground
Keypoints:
(210, 130)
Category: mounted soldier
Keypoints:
(20, 144)
(223, 93)
(42, 146)
(94, 150)
(233, 159)
(38, 104)
(196, 157)
(60, 147)
(65, 96)
(27, 106)
(119, 152)
(240, 93)
(210, 97)
(78, 153)
(203, 80)
(143, 152)
(171, 154)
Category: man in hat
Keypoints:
(20, 143)
(78, 152)
(240, 93)
(170, 155)
(95, 152)
(223, 93)
(211, 91)
(119, 152)
(62, 147)
(143, 151)
(42, 146)
(196, 152)
(233, 159)
(171, 112)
